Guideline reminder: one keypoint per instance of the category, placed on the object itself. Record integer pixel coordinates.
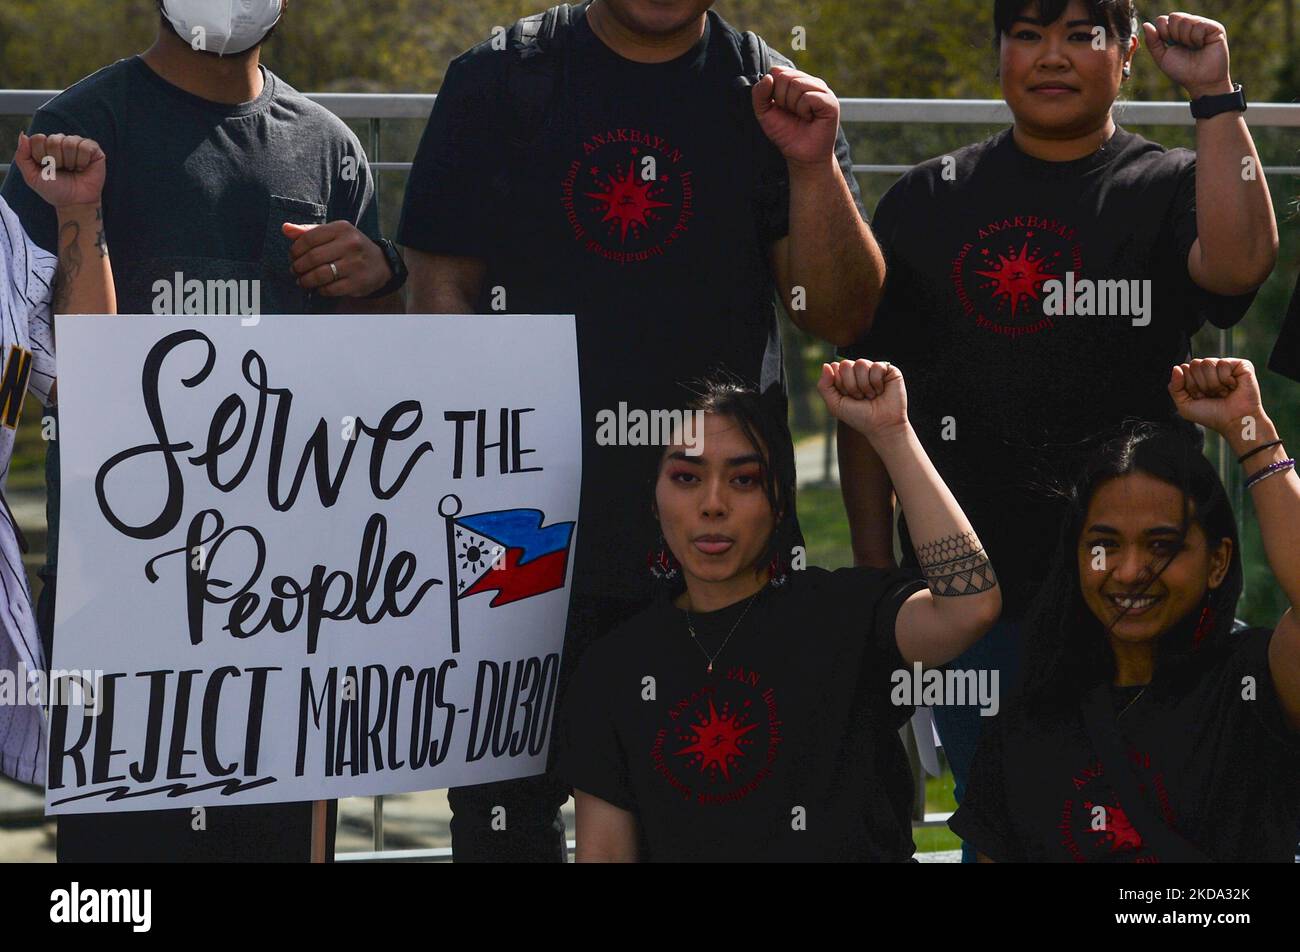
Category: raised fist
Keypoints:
(64, 170)
(1192, 51)
(1216, 392)
(866, 395)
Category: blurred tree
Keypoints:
(863, 48)
(893, 48)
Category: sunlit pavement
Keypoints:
(411, 821)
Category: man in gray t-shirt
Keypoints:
(217, 169)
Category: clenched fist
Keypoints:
(799, 113)
(866, 395)
(1217, 392)
(64, 170)
(1192, 51)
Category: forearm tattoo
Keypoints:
(956, 565)
(100, 243)
(69, 265)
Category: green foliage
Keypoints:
(821, 517)
(878, 48)
(863, 48)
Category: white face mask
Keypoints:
(224, 27)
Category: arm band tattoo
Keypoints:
(956, 565)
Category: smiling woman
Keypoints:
(1005, 255)
(1150, 728)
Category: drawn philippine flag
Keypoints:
(509, 552)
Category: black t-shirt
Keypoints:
(1286, 355)
(1001, 395)
(1221, 770)
(201, 189)
(794, 727)
(647, 209)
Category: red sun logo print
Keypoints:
(1118, 833)
(999, 272)
(1019, 278)
(1094, 827)
(718, 741)
(627, 201)
(629, 197)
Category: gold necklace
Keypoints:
(1137, 697)
(696, 638)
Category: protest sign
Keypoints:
(321, 556)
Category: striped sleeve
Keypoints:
(31, 273)
(26, 282)
(40, 326)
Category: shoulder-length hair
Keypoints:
(1067, 651)
(762, 419)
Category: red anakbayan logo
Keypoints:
(1097, 828)
(716, 742)
(629, 197)
(1118, 833)
(1000, 272)
(720, 742)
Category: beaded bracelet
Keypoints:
(1272, 469)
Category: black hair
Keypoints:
(762, 419)
(1119, 17)
(1067, 651)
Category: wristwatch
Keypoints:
(396, 264)
(1207, 107)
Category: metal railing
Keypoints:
(375, 108)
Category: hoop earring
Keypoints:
(661, 562)
(776, 573)
(1204, 625)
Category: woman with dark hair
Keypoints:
(749, 714)
(1041, 283)
(1286, 352)
(1148, 728)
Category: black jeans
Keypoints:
(257, 833)
(534, 830)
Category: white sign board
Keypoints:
(320, 556)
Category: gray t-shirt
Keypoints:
(201, 189)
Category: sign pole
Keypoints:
(319, 817)
(449, 509)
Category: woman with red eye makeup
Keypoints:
(1041, 283)
(751, 714)
(1149, 728)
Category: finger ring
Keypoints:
(334, 270)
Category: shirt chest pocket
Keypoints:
(280, 291)
(189, 284)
